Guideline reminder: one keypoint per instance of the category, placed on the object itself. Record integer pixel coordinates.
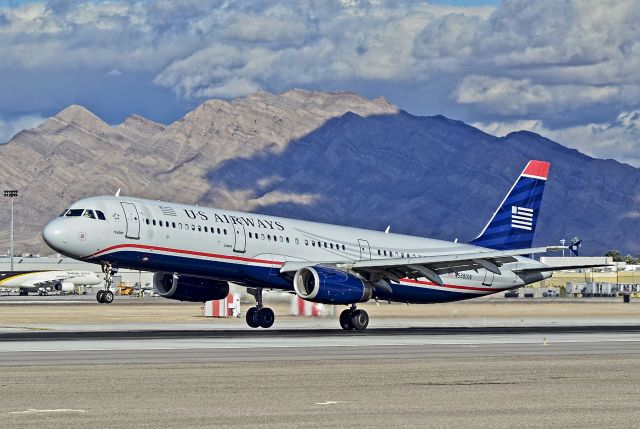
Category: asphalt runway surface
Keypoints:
(549, 376)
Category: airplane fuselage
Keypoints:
(250, 249)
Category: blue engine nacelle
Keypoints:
(187, 288)
(330, 286)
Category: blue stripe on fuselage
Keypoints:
(260, 276)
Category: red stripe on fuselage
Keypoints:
(184, 252)
(264, 261)
(483, 289)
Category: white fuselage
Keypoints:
(251, 248)
(34, 280)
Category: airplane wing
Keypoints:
(561, 268)
(430, 265)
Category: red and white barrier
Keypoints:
(301, 307)
(227, 307)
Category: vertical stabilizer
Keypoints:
(514, 223)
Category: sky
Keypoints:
(566, 69)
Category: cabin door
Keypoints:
(133, 220)
(240, 245)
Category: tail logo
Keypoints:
(521, 218)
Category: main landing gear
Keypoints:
(354, 319)
(259, 316)
(106, 296)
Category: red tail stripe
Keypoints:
(537, 168)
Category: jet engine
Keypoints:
(65, 287)
(330, 286)
(187, 288)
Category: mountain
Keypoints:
(332, 157)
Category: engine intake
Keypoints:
(190, 289)
(330, 286)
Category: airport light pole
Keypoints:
(11, 194)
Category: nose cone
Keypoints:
(55, 236)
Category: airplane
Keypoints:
(45, 281)
(195, 251)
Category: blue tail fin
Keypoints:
(514, 223)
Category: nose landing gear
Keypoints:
(106, 296)
(353, 318)
(259, 316)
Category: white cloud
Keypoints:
(618, 140)
(559, 62)
(9, 128)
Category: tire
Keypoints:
(345, 320)
(251, 317)
(107, 297)
(100, 296)
(265, 317)
(359, 320)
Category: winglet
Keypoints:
(118, 192)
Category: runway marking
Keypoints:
(57, 410)
(328, 403)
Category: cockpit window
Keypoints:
(74, 212)
(100, 215)
(89, 214)
(64, 212)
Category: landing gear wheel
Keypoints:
(265, 317)
(359, 320)
(251, 317)
(100, 296)
(107, 297)
(345, 320)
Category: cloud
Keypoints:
(600, 140)
(565, 64)
(9, 128)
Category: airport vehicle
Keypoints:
(511, 293)
(194, 251)
(44, 282)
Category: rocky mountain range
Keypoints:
(332, 157)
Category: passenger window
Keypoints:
(193, 227)
(218, 230)
(306, 242)
(154, 222)
(268, 237)
(297, 241)
(160, 222)
(343, 248)
(250, 236)
(225, 231)
(173, 224)
(199, 228)
(287, 239)
(378, 252)
(206, 229)
(262, 236)
(100, 215)
(179, 225)
(147, 220)
(313, 243)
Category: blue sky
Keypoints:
(566, 69)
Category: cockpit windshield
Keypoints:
(88, 213)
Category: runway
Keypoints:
(565, 376)
(189, 346)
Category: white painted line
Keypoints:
(328, 403)
(57, 410)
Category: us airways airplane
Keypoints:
(44, 281)
(194, 251)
